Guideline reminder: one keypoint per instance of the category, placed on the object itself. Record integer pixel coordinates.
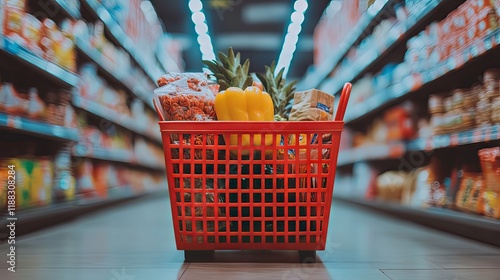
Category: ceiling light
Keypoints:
(292, 36)
(294, 28)
(300, 6)
(198, 17)
(195, 5)
(298, 17)
(204, 39)
(201, 28)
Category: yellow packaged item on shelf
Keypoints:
(491, 204)
(41, 183)
(22, 181)
(470, 197)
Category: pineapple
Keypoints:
(229, 72)
(280, 92)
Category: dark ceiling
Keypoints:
(256, 28)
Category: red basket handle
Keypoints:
(344, 99)
(158, 111)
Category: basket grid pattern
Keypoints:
(227, 195)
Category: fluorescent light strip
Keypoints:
(201, 28)
(292, 36)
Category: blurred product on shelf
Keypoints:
(335, 24)
(470, 195)
(53, 108)
(396, 124)
(91, 36)
(148, 154)
(463, 109)
(452, 41)
(384, 34)
(459, 183)
(102, 180)
(94, 88)
(43, 38)
(451, 37)
(34, 180)
(143, 33)
(490, 163)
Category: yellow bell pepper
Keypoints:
(251, 104)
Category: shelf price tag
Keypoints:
(454, 139)
(14, 122)
(487, 133)
(488, 43)
(429, 144)
(477, 135)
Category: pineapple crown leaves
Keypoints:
(229, 72)
(275, 85)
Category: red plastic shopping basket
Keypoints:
(247, 197)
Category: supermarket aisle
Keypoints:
(135, 241)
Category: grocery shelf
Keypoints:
(108, 114)
(371, 152)
(30, 220)
(96, 57)
(396, 150)
(115, 155)
(27, 126)
(70, 10)
(469, 225)
(374, 55)
(122, 38)
(314, 78)
(413, 83)
(50, 69)
(472, 136)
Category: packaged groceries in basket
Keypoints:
(311, 105)
(185, 97)
(188, 97)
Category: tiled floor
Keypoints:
(135, 242)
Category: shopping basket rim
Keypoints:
(252, 126)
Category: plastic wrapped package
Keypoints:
(185, 97)
(188, 97)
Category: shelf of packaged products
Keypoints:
(469, 225)
(69, 9)
(371, 152)
(56, 72)
(123, 39)
(413, 83)
(367, 60)
(96, 57)
(33, 219)
(25, 125)
(115, 155)
(314, 78)
(398, 149)
(108, 114)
